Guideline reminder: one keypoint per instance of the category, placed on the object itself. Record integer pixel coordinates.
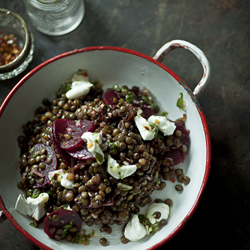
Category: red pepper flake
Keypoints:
(9, 48)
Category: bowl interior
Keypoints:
(110, 67)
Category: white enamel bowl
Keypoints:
(111, 66)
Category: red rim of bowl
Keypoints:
(177, 78)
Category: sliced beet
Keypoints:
(61, 218)
(64, 128)
(147, 111)
(176, 153)
(145, 107)
(109, 96)
(56, 143)
(80, 152)
(51, 164)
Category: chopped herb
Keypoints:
(31, 150)
(83, 238)
(180, 102)
(157, 181)
(147, 99)
(65, 87)
(112, 147)
(66, 229)
(125, 90)
(99, 158)
(29, 193)
(160, 136)
(130, 97)
(36, 193)
(50, 192)
(154, 128)
(120, 175)
(32, 224)
(144, 220)
(154, 228)
(116, 88)
(165, 113)
(96, 83)
(153, 106)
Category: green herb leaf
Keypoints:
(116, 88)
(31, 150)
(50, 192)
(154, 128)
(36, 193)
(99, 158)
(112, 147)
(65, 87)
(32, 224)
(157, 181)
(180, 102)
(165, 113)
(154, 228)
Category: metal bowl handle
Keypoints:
(166, 48)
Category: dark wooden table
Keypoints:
(221, 28)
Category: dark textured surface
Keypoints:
(221, 28)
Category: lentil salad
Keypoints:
(52, 144)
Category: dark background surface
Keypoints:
(221, 28)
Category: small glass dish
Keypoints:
(16, 44)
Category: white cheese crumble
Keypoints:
(33, 207)
(62, 177)
(93, 144)
(80, 86)
(134, 230)
(157, 207)
(165, 126)
(146, 130)
(119, 172)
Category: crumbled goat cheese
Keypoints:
(120, 172)
(33, 207)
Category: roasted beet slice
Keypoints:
(176, 152)
(80, 152)
(147, 110)
(61, 218)
(68, 132)
(50, 164)
(145, 107)
(55, 143)
(109, 96)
